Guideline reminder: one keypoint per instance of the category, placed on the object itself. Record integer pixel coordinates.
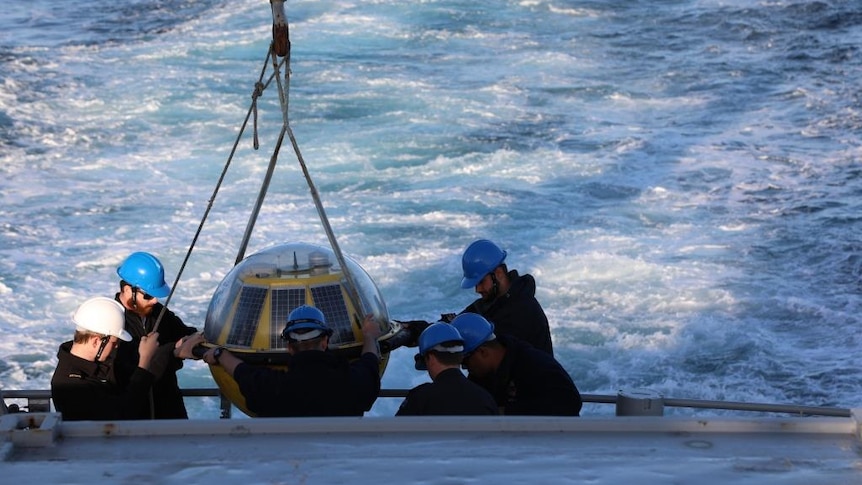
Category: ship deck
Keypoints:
(41, 448)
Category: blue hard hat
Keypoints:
(438, 334)
(145, 271)
(305, 323)
(480, 258)
(474, 329)
(440, 337)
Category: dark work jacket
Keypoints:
(318, 383)
(517, 313)
(531, 382)
(450, 394)
(83, 390)
(166, 396)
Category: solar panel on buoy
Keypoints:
(249, 309)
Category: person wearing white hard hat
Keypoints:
(84, 386)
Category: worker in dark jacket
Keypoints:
(507, 299)
(317, 382)
(522, 379)
(83, 386)
(441, 349)
(142, 283)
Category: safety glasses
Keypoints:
(143, 294)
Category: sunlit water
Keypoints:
(680, 177)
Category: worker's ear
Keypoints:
(481, 351)
(501, 271)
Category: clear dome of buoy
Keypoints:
(249, 308)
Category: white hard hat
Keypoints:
(102, 315)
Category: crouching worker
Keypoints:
(441, 349)
(522, 379)
(83, 386)
(317, 382)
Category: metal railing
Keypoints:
(39, 401)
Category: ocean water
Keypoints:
(680, 176)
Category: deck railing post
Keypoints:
(640, 402)
(225, 405)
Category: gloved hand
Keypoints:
(415, 327)
(447, 317)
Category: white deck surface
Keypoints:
(438, 450)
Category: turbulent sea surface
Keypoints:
(681, 177)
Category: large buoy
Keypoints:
(249, 309)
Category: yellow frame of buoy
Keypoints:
(260, 343)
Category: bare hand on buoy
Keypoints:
(184, 346)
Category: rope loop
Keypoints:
(258, 90)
